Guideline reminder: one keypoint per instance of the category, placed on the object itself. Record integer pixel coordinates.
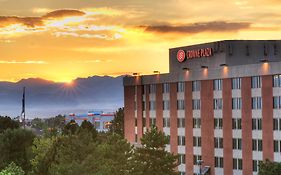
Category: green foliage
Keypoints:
(87, 126)
(41, 147)
(12, 169)
(152, 158)
(7, 123)
(269, 168)
(111, 157)
(70, 128)
(15, 146)
(117, 126)
(38, 123)
(56, 122)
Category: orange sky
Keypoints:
(65, 39)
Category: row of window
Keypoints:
(237, 163)
(217, 104)
(235, 83)
(218, 123)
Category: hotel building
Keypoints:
(219, 103)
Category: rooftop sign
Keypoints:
(198, 53)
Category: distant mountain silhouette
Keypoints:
(46, 98)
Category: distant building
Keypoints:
(99, 119)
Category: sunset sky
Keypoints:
(61, 40)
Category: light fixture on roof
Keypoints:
(263, 60)
(136, 74)
(204, 67)
(223, 65)
(156, 72)
(185, 69)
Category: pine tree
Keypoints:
(152, 158)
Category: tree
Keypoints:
(38, 123)
(41, 161)
(70, 128)
(269, 168)
(151, 158)
(7, 123)
(118, 123)
(87, 126)
(111, 157)
(57, 122)
(12, 169)
(15, 146)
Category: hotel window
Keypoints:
(218, 142)
(196, 123)
(256, 165)
(236, 83)
(256, 103)
(166, 105)
(257, 145)
(237, 164)
(166, 88)
(181, 140)
(256, 82)
(277, 102)
(152, 121)
(196, 104)
(181, 122)
(237, 143)
(277, 124)
(236, 123)
(181, 158)
(166, 122)
(143, 106)
(143, 89)
(180, 104)
(152, 88)
(197, 141)
(277, 80)
(218, 85)
(196, 158)
(256, 124)
(196, 86)
(180, 87)
(152, 105)
(218, 123)
(217, 103)
(181, 173)
(236, 103)
(218, 162)
(143, 122)
(136, 138)
(136, 122)
(277, 146)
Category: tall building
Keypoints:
(220, 103)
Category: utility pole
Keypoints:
(23, 107)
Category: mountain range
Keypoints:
(47, 98)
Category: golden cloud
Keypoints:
(63, 13)
(38, 21)
(22, 62)
(215, 26)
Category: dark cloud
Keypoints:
(64, 13)
(215, 26)
(38, 21)
(27, 21)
